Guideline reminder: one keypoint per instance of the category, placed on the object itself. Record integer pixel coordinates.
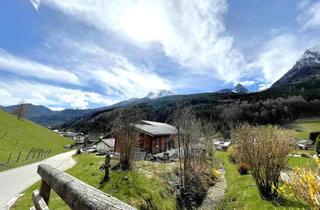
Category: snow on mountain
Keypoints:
(237, 89)
(310, 56)
(306, 69)
(240, 89)
(159, 93)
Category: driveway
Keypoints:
(15, 181)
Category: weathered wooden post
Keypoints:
(45, 191)
(76, 194)
(38, 201)
(107, 167)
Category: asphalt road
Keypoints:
(15, 181)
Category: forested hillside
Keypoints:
(225, 111)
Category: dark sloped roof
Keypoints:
(155, 128)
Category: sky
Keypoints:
(92, 53)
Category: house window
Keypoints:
(157, 142)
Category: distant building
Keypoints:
(80, 138)
(221, 145)
(153, 137)
(105, 145)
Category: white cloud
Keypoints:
(310, 14)
(130, 80)
(119, 77)
(51, 96)
(246, 82)
(28, 68)
(264, 86)
(56, 108)
(4, 93)
(190, 32)
(35, 4)
(276, 57)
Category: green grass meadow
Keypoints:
(137, 189)
(303, 127)
(18, 137)
(242, 192)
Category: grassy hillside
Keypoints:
(303, 127)
(139, 189)
(23, 142)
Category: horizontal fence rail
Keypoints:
(75, 193)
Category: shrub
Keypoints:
(303, 185)
(243, 168)
(265, 149)
(215, 173)
(314, 135)
(304, 155)
(192, 194)
(232, 154)
(318, 146)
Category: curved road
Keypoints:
(15, 181)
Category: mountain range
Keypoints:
(306, 69)
(305, 74)
(237, 89)
(47, 117)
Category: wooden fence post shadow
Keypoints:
(9, 158)
(18, 158)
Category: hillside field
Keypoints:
(303, 127)
(23, 142)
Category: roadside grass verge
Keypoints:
(144, 191)
(18, 137)
(242, 192)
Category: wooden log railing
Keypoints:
(75, 193)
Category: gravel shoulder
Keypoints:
(215, 193)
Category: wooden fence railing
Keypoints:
(75, 193)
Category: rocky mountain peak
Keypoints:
(310, 56)
(159, 93)
(240, 89)
(306, 69)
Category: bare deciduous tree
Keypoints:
(209, 133)
(126, 135)
(265, 150)
(193, 156)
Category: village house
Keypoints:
(153, 137)
(105, 145)
(80, 138)
(221, 144)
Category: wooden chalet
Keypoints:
(153, 137)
